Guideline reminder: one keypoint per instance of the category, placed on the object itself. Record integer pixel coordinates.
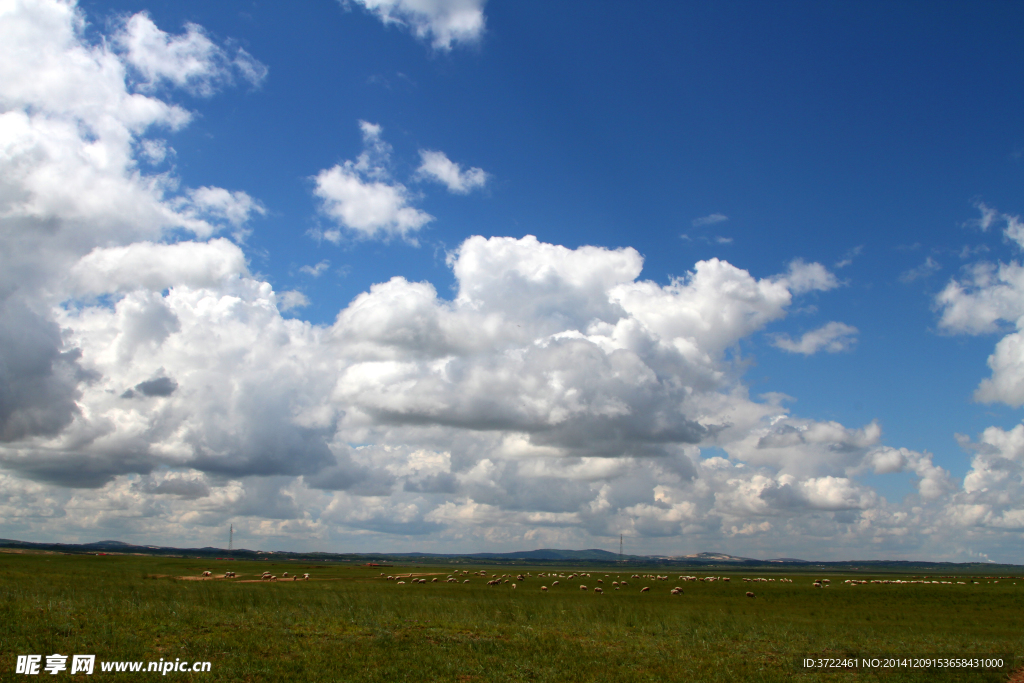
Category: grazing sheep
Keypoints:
(600, 580)
(400, 583)
(305, 577)
(434, 580)
(466, 581)
(645, 589)
(582, 587)
(285, 575)
(554, 584)
(206, 573)
(623, 583)
(544, 588)
(513, 585)
(273, 578)
(598, 590)
(749, 594)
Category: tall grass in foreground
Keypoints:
(350, 625)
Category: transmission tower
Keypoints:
(620, 547)
(231, 538)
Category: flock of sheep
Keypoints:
(266, 576)
(499, 579)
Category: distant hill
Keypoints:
(705, 560)
(544, 554)
(721, 557)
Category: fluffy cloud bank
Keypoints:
(990, 298)
(151, 389)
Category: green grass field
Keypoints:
(348, 624)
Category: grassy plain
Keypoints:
(348, 624)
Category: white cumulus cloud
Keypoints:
(438, 167)
(191, 61)
(360, 196)
(72, 121)
(802, 277)
(990, 298)
(832, 337)
(442, 22)
(710, 219)
(152, 387)
(316, 270)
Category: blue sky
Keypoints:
(851, 172)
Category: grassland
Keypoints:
(349, 624)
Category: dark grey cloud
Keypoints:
(264, 497)
(271, 448)
(347, 475)
(442, 482)
(160, 386)
(78, 469)
(39, 377)
(184, 488)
